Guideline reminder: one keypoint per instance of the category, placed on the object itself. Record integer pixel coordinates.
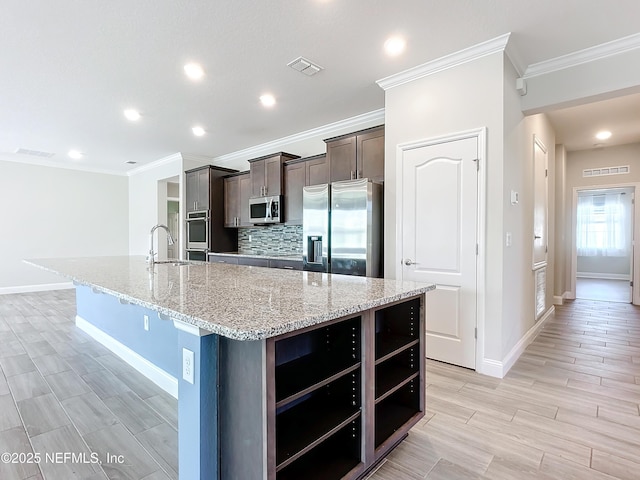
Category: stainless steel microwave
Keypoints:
(266, 209)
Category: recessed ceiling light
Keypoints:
(394, 46)
(198, 131)
(603, 135)
(193, 71)
(268, 100)
(132, 114)
(75, 154)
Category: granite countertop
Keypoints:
(268, 256)
(235, 301)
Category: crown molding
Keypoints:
(155, 164)
(197, 158)
(604, 50)
(480, 50)
(329, 130)
(49, 163)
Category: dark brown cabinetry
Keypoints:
(223, 259)
(298, 174)
(197, 186)
(357, 155)
(237, 190)
(266, 174)
(339, 396)
(205, 193)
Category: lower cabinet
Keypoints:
(253, 261)
(337, 398)
(223, 259)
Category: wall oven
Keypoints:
(265, 209)
(198, 230)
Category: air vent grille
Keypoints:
(130, 162)
(304, 65)
(34, 153)
(599, 172)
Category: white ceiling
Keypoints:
(69, 68)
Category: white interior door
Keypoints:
(439, 227)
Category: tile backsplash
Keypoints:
(271, 240)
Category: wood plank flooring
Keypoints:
(62, 392)
(568, 409)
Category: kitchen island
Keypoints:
(280, 374)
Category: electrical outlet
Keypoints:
(187, 365)
(508, 239)
(146, 322)
(249, 238)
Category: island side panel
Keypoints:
(198, 419)
(243, 409)
(120, 326)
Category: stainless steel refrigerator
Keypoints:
(342, 228)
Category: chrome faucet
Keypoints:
(151, 256)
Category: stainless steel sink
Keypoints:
(175, 263)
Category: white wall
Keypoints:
(561, 270)
(518, 277)
(56, 212)
(148, 205)
(465, 97)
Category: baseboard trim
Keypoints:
(603, 276)
(43, 287)
(498, 369)
(558, 299)
(154, 373)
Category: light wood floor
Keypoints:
(603, 289)
(62, 392)
(568, 409)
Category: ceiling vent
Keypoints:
(34, 153)
(305, 66)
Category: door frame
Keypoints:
(481, 135)
(635, 291)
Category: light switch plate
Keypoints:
(514, 197)
(187, 365)
(146, 322)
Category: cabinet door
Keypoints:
(286, 264)
(231, 201)
(202, 200)
(258, 179)
(223, 259)
(341, 155)
(192, 190)
(370, 155)
(253, 261)
(273, 173)
(294, 180)
(317, 171)
(245, 193)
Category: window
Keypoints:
(601, 225)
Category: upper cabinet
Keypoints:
(237, 190)
(357, 155)
(267, 174)
(197, 185)
(298, 174)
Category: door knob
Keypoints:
(408, 261)
(537, 237)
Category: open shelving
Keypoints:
(343, 394)
(318, 378)
(398, 361)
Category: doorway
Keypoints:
(438, 215)
(604, 253)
